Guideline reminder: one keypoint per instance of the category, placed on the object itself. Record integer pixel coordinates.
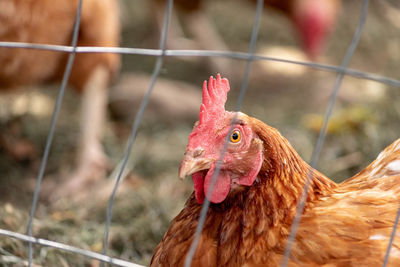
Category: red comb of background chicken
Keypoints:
(314, 20)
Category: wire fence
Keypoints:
(161, 53)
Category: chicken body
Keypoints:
(345, 224)
(51, 22)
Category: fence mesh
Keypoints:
(160, 54)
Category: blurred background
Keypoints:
(289, 97)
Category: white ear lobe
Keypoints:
(258, 140)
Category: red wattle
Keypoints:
(221, 188)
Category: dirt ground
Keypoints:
(365, 120)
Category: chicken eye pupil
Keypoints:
(235, 137)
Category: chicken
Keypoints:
(51, 22)
(256, 194)
(313, 20)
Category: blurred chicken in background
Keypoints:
(51, 22)
(313, 20)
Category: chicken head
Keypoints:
(243, 157)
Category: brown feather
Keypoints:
(51, 22)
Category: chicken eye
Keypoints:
(235, 136)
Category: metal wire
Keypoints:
(49, 140)
(138, 119)
(392, 236)
(206, 204)
(322, 134)
(203, 53)
(67, 248)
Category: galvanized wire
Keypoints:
(50, 136)
(138, 119)
(322, 134)
(204, 53)
(67, 248)
(392, 236)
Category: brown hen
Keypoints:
(51, 22)
(256, 193)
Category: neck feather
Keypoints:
(265, 210)
(283, 174)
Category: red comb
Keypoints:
(214, 97)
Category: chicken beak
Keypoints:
(190, 165)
